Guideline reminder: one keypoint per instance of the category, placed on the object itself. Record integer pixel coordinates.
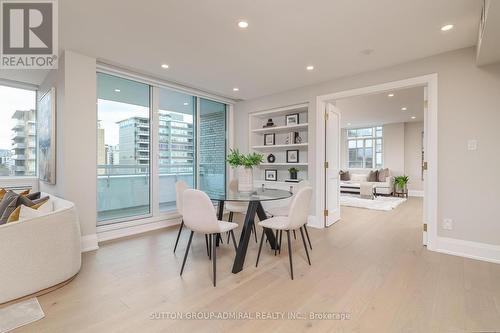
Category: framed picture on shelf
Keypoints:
(271, 175)
(291, 119)
(269, 139)
(292, 156)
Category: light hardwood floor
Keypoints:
(370, 265)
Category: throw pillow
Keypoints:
(25, 192)
(26, 213)
(33, 196)
(383, 174)
(373, 176)
(17, 201)
(2, 193)
(16, 215)
(345, 176)
(6, 201)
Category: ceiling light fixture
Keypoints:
(390, 95)
(117, 90)
(164, 66)
(243, 24)
(404, 108)
(310, 67)
(413, 117)
(447, 27)
(236, 89)
(186, 103)
(348, 124)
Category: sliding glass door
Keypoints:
(176, 143)
(149, 138)
(123, 149)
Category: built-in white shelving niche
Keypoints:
(281, 132)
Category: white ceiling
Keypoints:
(380, 109)
(205, 49)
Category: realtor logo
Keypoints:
(28, 34)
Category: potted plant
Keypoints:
(401, 183)
(293, 173)
(244, 164)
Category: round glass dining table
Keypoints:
(254, 199)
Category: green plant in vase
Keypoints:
(245, 164)
(401, 183)
(293, 173)
(234, 159)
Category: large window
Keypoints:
(17, 132)
(364, 147)
(176, 143)
(141, 157)
(123, 148)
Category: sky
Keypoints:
(12, 99)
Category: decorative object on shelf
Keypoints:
(271, 175)
(269, 123)
(292, 119)
(46, 132)
(293, 172)
(269, 139)
(297, 138)
(244, 164)
(401, 185)
(292, 156)
(271, 158)
(293, 138)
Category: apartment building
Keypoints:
(24, 143)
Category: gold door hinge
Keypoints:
(326, 115)
(326, 165)
(424, 166)
(325, 212)
(425, 226)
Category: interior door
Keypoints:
(424, 166)
(332, 164)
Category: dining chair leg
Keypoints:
(305, 246)
(187, 251)
(210, 247)
(294, 235)
(260, 247)
(307, 235)
(279, 248)
(254, 232)
(277, 242)
(206, 242)
(230, 216)
(290, 252)
(214, 259)
(178, 235)
(234, 240)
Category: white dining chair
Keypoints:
(198, 214)
(284, 210)
(237, 207)
(295, 220)
(180, 187)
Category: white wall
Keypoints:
(468, 109)
(394, 148)
(75, 83)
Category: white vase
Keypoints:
(245, 179)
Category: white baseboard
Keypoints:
(416, 193)
(313, 222)
(468, 249)
(138, 229)
(89, 243)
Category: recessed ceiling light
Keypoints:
(413, 117)
(117, 90)
(447, 27)
(404, 108)
(186, 103)
(236, 89)
(165, 66)
(348, 124)
(390, 95)
(310, 67)
(243, 24)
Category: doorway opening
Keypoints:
(368, 140)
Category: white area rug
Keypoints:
(20, 314)
(379, 203)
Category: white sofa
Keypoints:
(39, 253)
(354, 185)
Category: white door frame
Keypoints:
(431, 190)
